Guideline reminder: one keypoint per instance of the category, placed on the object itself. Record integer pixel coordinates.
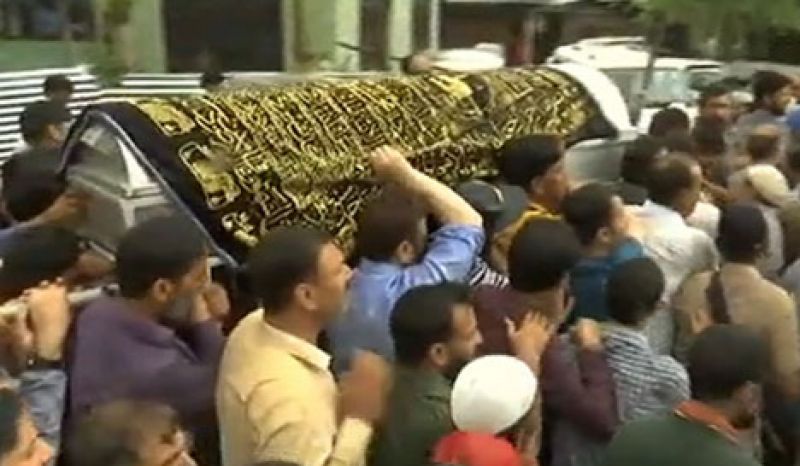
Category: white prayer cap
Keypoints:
(492, 393)
(770, 184)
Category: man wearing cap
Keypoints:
(535, 164)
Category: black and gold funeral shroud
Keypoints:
(248, 161)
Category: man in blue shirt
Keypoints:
(602, 225)
(391, 241)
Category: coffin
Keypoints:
(243, 162)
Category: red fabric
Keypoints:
(473, 449)
(701, 413)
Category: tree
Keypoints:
(725, 25)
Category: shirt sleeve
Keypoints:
(583, 393)
(482, 274)
(673, 386)
(286, 432)
(450, 257)
(44, 392)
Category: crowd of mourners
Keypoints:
(525, 320)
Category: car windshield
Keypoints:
(668, 86)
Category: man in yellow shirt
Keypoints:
(536, 165)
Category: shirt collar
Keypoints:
(368, 267)
(430, 383)
(745, 270)
(613, 330)
(664, 213)
(295, 346)
(701, 413)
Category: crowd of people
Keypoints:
(523, 320)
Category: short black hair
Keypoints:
(767, 83)
(723, 359)
(712, 92)
(11, 411)
(387, 221)
(29, 193)
(211, 79)
(423, 317)
(669, 121)
(587, 210)
(57, 83)
(708, 136)
(35, 254)
(524, 159)
(114, 434)
(668, 177)
(633, 291)
(762, 147)
(541, 255)
(639, 156)
(159, 248)
(742, 233)
(285, 258)
(38, 116)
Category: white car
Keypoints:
(675, 81)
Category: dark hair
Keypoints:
(708, 136)
(793, 156)
(541, 255)
(587, 210)
(285, 258)
(668, 177)
(712, 92)
(524, 159)
(638, 158)
(761, 147)
(57, 83)
(36, 254)
(11, 410)
(114, 434)
(742, 233)
(211, 79)
(159, 248)
(723, 359)
(633, 291)
(669, 121)
(423, 317)
(385, 223)
(768, 83)
(405, 64)
(29, 193)
(678, 142)
(38, 116)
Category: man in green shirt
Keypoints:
(726, 365)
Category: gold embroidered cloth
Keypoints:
(298, 154)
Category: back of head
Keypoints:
(37, 117)
(29, 193)
(541, 255)
(37, 254)
(524, 159)
(57, 84)
(634, 290)
(669, 121)
(638, 158)
(492, 394)
(159, 248)
(742, 233)
(723, 359)
(386, 222)
(116, 434)
(708, 136)
(669, 176)
(767, 83)
(423, 317)
(11, 411)
(587, 210)
(284, 259)
(764, 144)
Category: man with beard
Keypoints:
(435, 334)
(128, 348)
(726, 367)
(772, 93)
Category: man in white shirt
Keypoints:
(679, 250)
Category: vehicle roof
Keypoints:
(625, 56)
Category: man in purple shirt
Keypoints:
(397, 254)
(127, 347)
